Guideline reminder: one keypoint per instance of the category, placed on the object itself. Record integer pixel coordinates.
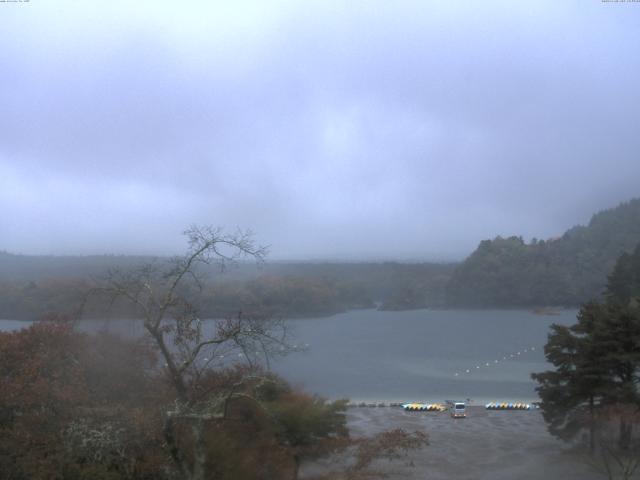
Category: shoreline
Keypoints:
(487, 445)
(537, 310)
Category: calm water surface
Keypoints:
(421, 355)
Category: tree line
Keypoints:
(594, 387)
(181, 402)
(504, 272)
(281, 290)
(564, 271)
(265, 296)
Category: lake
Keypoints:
(419, 355)
(422, 355)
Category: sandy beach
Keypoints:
(496, 445)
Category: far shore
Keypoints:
(534, 309)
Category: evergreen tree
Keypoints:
(578, 386)
(597, 360)
(623, 284)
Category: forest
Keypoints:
(167, 405)
(564, 271)
(501, 273)
(593, 388)
(31, 287)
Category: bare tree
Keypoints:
(190, 347)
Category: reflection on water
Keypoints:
(422, 355)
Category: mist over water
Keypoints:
(419, 355)
(409, 156)
(415, 355)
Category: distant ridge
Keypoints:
(34, 267)
(569, 270)
(503, 272)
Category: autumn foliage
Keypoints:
(80, 406)
(75, 406)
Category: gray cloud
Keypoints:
(332, 129)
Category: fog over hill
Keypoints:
(350, 131)
(566, 270)
(410, 190)
(503, 272)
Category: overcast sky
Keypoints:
(334, 130)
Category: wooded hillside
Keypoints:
(568, 270)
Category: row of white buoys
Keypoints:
(376, 404)
(507, 406)
(424, 407)
(509, 356)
